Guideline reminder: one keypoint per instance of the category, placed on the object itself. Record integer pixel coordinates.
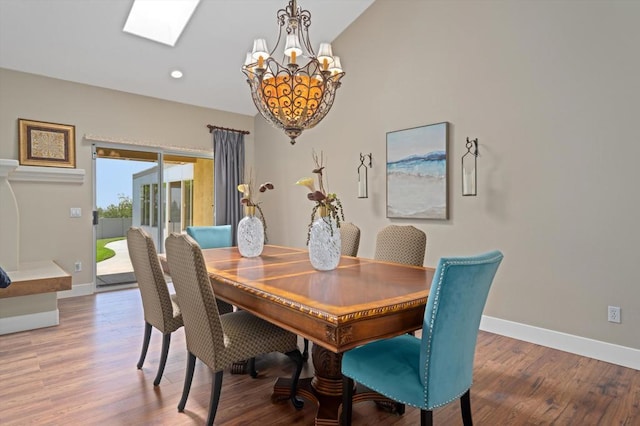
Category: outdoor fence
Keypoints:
(113, 227)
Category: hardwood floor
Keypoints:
(83, 372)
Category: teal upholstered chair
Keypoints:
(211, 236)
(430, 372)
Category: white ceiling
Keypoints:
(83, 41)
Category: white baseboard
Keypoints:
(77, 290)
(29, 322)
(615, 354)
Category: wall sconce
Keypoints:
(363, 190)
(469, 169)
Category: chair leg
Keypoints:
(296, 357)
(239, 367)
(166, 340)
(216, 387)
(252, 367)
(426, 418)
(191, 364)
(465, 406)
(347, 400)
(305, 353)
(145, 344)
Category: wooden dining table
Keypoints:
(360, 301)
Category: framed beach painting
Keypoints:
(417, 172)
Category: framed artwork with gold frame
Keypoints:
(47, 144)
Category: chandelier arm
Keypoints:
(275, 46)
(304, 16)
(304, 37)
(282, 14)
(304, 22)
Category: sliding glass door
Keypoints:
(161, 192)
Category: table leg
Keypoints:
(325, 388)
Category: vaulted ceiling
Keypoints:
(82, 41)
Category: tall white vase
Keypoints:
(250, 234)
(325, 244)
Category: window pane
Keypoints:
(145, 205)
(154, 210)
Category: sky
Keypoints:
(114, 177)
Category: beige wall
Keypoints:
(46, 230)
(551, 89)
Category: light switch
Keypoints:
(75, 212)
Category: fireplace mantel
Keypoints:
(47, 174)
(33, 283)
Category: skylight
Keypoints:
(160, 20)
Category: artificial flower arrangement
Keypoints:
(327, 203)
(251, 202)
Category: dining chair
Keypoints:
(214, 237)
(160, 308)
(434, 370)
(350, 235)
(219, 340)
(211, 236)
(401, 244)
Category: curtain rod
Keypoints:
(212, 128)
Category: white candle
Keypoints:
(468, 183)
(362, 189)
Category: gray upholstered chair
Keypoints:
(160, 308)
(350, 235)
(214, 237)
(438, 368)
(401, 244)
(219, 340)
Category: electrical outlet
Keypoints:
(75, 212)
(614, 314)
(78, 266)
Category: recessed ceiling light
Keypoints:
(160, 20)
(176, 74)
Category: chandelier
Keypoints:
(296, 93)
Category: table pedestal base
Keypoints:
(329, 406)
(325, 388)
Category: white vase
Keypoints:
(324, 244)
(250, 234)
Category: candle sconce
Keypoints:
(469, 169)
(363, 189)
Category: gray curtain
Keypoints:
(228, 154)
